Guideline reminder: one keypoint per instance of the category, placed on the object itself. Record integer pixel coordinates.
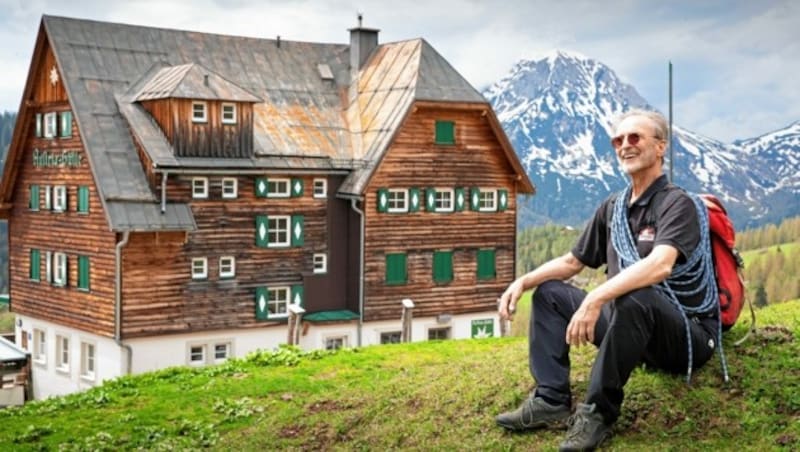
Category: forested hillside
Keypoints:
(7, 120)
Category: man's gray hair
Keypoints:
(659, 121)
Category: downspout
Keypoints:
(360, 269)
(118, 300)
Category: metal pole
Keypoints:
(671, 156)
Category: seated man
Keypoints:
(632, 317)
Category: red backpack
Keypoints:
(728, 263)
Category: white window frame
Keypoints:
(198, 272)
(444, 203)
(39, 346)
(204, 116)
(278, 231)
(88, 361)
(62, 353)
(230, 188)
(232, 118)
(48, 198)
(344, 338)
(487, 204)
(228, 348)
(440, 328)
(50, 125)
(320, 188)
(202, 184)
(381, 333)
(60, 269)
(277, 182)
(48, 266)
(320, 261)
(230, 272)
(277, 302)
(397, 200)
(59, 198)
(202, 349)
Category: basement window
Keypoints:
(199, 111)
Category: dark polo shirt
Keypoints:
(674, 222)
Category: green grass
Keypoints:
(420, 396)
(6, 319)
(787, 248)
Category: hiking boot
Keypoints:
(534, 413)
(587, 430)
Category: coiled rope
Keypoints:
(698, 271)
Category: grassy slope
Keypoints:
(435, 395)
(787, 248)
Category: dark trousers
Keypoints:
(641, 326)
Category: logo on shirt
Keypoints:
(647, 234)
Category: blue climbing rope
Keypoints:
(697, 271)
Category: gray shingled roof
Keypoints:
(301, 119)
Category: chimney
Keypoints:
(362, 42)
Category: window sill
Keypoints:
(63, 371)
(81, 289)
(88, 378)
(444, 143)
(40, 362)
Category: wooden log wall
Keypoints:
(159, 295)
(476, 160)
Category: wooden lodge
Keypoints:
(175, 197)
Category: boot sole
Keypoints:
(549, 425)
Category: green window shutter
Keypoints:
(396, 268)
(297, 230)
(430, 199)
(34, 199)
(383, 200)
(297, 188)
(261, 187)
(486, 264)
(474, 198)
(83, 272)
(502, 200)
(35, 265)
(442, 266)
(297, 295)
(262, 231)
(262, 303)
(413, 199)
(38, 125)
(460, 199)
(66, 124)
(445, 132)
(83, 198)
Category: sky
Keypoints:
(736, 63)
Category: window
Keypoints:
(35, 265)
(197, 355)
(199, 110)
(391, 337)
(38, 130)
(222, 352)
(83, 199)
(200, 187)
(83, 272)
(335, 343)
(444, 200)
(228, 113)
(48, 266)
(486, 264)
(445, 132)
(60, 272)
(229, 188)
(39, 346)
(33, 197)
(227, 267)
(87, 361)
(62, 353)
(65, 126)
(59, 198)
(435, 334)
(442, 266)
(278, 230)
(487, 201)
(50, 125)
(320, 263)
(199, 268)
(277, 301)
(48, 198)
(398, 200)
(278, 188)
(320, 188)
(396, 268)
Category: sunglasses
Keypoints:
(633, 139)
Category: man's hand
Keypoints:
(507, 303)
(581, 328)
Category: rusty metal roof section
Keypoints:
(192, 81)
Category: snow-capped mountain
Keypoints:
(558, 113)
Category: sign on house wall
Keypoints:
(46, 159)
(482, 328)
